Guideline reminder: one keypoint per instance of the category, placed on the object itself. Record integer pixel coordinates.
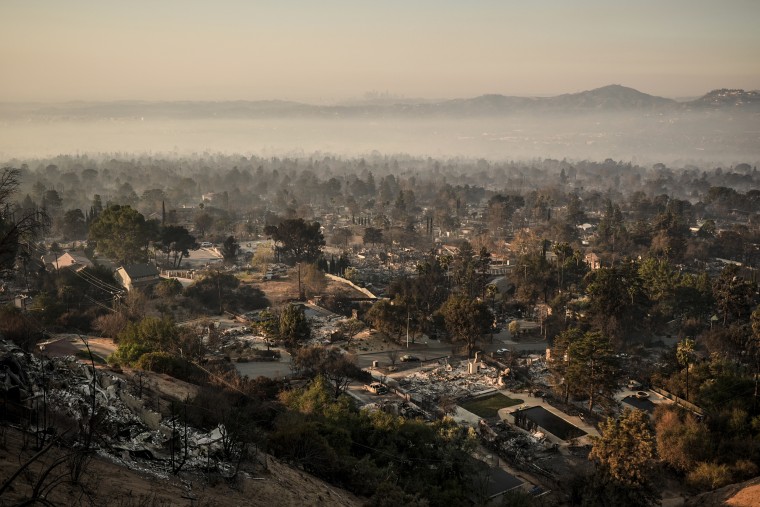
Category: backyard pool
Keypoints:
(544, 419)
(640, 403)
(488, 406)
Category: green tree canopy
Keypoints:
(682, 441)
(592, 367)
(296, 240)
(203, 222)
(149, 335)
(466, 320)
(625, 457)
(332, 363)
(378, 455)
(122, 233)
(387, 318)
(176, 241)
(373, 235)
(611, 228)
(733, 294)
(618, 299)
(74, 226)
(294, 329)
(168, 288)
(560, 355)
(213, 290)
(230, 249)
(219, 291)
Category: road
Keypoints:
(200, 258)
(357, 390)
(428, 350)
(270, 369)
(67, 344)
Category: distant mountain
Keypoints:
(728, 98)
(612, 98)
(608, 98)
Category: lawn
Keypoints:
(488, 406)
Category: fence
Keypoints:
(679, 400)
(178, 273)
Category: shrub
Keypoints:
(162, 362)
(710, 476)
(16, 328)
(110, 324)
(168, 288)
(74, 320)
(149, 335)
(744, 469)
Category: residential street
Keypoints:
(428, 350)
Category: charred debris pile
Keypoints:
(62, 401)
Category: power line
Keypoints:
(83, 274)
(99, 304)
(90, 276)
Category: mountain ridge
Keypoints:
(613, 97)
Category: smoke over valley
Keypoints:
(612, 122)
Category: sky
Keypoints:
(334, 50)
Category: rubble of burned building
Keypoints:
(399, 407)
(458, 380)
(530, 453)
(466, 379)
(85, 409)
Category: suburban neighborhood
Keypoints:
(528, 332)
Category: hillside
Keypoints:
(130, 453)
(725, 98)
(106, 479)
(743, 494)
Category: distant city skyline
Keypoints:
(341, 49)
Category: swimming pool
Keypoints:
(533, 417)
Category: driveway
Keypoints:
(270, 369)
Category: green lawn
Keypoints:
(488, 406)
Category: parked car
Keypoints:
(206, 244)
(376, 387)
(406, 358)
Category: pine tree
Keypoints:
(625, 456)
(294, 328)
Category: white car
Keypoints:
(377, 388)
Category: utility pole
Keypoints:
(219, 291)
(407, 327)
(300, 290)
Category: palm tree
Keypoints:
(684, 353)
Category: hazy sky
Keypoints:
(322, 51)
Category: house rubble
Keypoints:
(48, 396)
(459, 380)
